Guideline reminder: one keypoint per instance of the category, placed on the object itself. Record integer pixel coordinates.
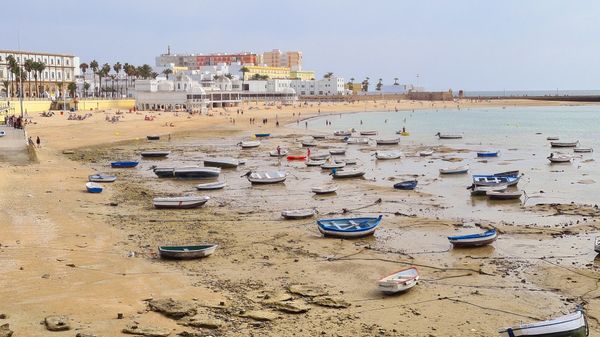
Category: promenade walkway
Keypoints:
(13, 146)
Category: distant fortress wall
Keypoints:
(430, 95)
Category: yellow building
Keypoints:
(271, 72)
(355, 87)
(302, 75)
(277, 58)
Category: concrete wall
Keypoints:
(32, 107)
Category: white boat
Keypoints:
(342, 133)
(455, 170)
(348, 161)
(196, 172)
(325, 189)
(337, 151)
(180, 202)
(597, 245)
(401, 280)
(357, 140)
(571, 325)
(552, 138)
(2, 133)
(474, 240)
(388, 155)
(309, 143)
(102, 178)
(268, 177)
(389, 141)
(319, 156)
(560, 158)
(222, 162)
(425, 153)
(318, 136)
(217, 185)
(282, 153)
(504, 195)
(248, 144)
(564, 144)
(311, 162)
(583, 150)
(368, 133)
(354, 173)
(482, 190)
(448, 135)
(333, 165)
(298, 213)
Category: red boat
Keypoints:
(296, 157)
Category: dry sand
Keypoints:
(67, 252)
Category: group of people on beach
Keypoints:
(15, 122)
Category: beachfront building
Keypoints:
(270, 72)
(331, 86)
(58, 70)
(302, 75)
(196, 61)
(288, 59)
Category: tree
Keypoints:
(28, 65)
(84, 67)
(351, 84)
(117, 68)
(154, 75)
(229, 76)
(94, 66)
(328, 75)
(167, 72)
(365, 84)
(11, 65)
(396, 81)
(379, 85)
(244, 70)
(38, 69)
(72, 87)
(144, 71)
(86, 87)
(103, 72)
(258, 77)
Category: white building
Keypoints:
(331, 86)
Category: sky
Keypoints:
(460, 44)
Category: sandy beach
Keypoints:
(92, 257)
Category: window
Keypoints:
(67, 61)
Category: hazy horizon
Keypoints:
(469, 45)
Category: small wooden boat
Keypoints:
(281, 153)
(311, 162)
(186, 252)
(552, 138)
(487, 180)
(153, 137)
(196, 172)
(102, 178)
(514, 173)
(399, 281)
(488, 153)
(583, 150)
(368, 133)
(349, 227)
(179, 202)
(155, 154)
(124, 164)
(262, 135)
(388, 155)
(448, 136)
(597, 245)
(296, 157)
(391, 141)
(93, 187)
(482, 190)
(221, 162)
(298, 214)
(564, 144)
(455, 170)
(406, 185)
(164, 172)
(318, 136)
(357, 140)
(425, 153)
(354, 173)
(333, 165)
(342, 133)
(337, 152)
(249, 144)
(474, 240)
(348, 161)
(319, 156)
(504, 195)
(560, 158)
(572, 325)
(2, 133)
(270, 177)
(326, 189)
(309, 143)
(217, 185)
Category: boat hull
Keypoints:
(174, 203)
(124, 164)
(101, 178)
(573, 325)
(221, 163)
(196, 174)
(473, 240)
(194, 252)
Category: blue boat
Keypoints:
(406, 185)
(123, 164)
(262, 135)
(492, 180)
(93, 187)
(488, 153)
(474, 240)
(349, 227)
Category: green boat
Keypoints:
(186, 252)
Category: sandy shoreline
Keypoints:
(68, 252)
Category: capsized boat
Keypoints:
(572, 325)
(387, 155)
(425, 153)
(187, 252)
(354, 173)
(124, 164)
(455, 170)
(448, 136)
(217, 185)
(487, 180)
(488, 153)
(349, 227)
(93, 187)
(249, 144)
(298, 214)
(180, 202)
(102, 178)
(564, 144)
(153, 137)
(399, 281)
(504, 195)
(387, 141)
(474, 240)
(222, 162)
(338, 152)
(164, 172)
(406, 185)
(196, 172)
(325, 189)
(155, 154)
(482, 190)
(266, 177)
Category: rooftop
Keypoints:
(33, 53)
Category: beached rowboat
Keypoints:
(102, 178)
(318, 136)
(583, 150)
(270, 177)
(448, 136)
(564, 144)
(217, 185)
(153, 137)
(552, 138)
(388, 155)
(164, 172)
(342, 133)
(333, 165)
(262, 135)
(124, 164)
(488, 153)
(487, 180)
(482, 190)
(401, 280)
(186, 252)
(281, 153)
(309, 143)
(368, 133)
(249, 144)
(155, 154)
(319, 156)
(354, 173)
(393, 141)
(357, 140)
(337, 151)
(348, 161)
(597, 245)
(455, 170)
(349, 227)
(296, 157)
(561, 158)
(425, 153)
(179, 202)
(196, 172)
(326, 189)
(406, 185)
(221, 162)
(311, 162)
(504, 195)
(93, 187)
(474, 240)
(298, 214)
(572, 325)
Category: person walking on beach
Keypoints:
(38, 142)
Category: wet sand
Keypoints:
(89, 256)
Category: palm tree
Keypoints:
(11, 65)
(103, 73)
(84, 67)
(379, 85)
(129, 72)
(351, 84)
(145, 71)
(154, 74)
(86, 87)
(244, 70)
(365, 84)
(167, 72)
(328, 75)
(28, 65)
(94, 66)
(117, 68)
(396, 81)
(41, 66)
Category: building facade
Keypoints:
(332, 86)
(59, 69)
(271, 72)
(193, 61)
(277, 58)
